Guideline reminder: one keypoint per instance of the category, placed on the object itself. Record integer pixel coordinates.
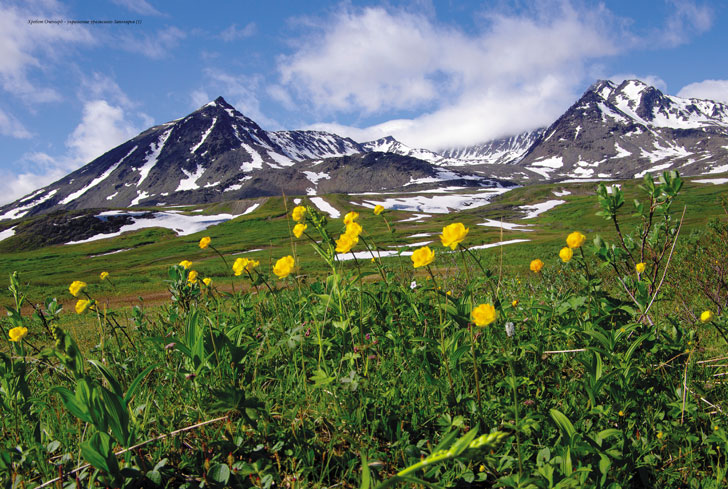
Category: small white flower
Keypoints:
(510, 329)
(413, 285)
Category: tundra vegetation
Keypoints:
(601, 365)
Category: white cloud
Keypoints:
(139, 6)
(517, 73)
(707, 89)
(27, 49)
(10, 126)
(238, 90)
(686, 20)
(154, 46)
(103, 126)
(233, 33)
(199, 98)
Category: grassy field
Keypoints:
(476, 369)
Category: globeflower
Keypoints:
(640, 267)
(298, 213)
(76, 287)
(345, 243)
(536, 265)
(354, 229)
(104, 275)
(422, 257)
(242, 264)
(82, 305)
(205, 242)
(351, 217)
(378, 209)
(185, 263)
(706, 316)
(566, 254)
(207, 281)
(298, 229)
(284, 266)
(192, 277)
(18, 333)
(575, 240)
(483, 315)
(453, 234)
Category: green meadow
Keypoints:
(603, 367)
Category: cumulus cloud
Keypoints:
(518, 72)
(707, 89)
(233, 33)
(103, 126)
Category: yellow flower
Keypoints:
(659, 435)
(373, 260)
(242, 264)
(566, 254)
(483, 315)
(18, 333)
(449, 292)
(205, 242)
(185, 263)
(621, 413)
(284, 266)
(640, 267)
(378, 210)
(298, 229)
(514, 303)
(76, 287)
(345, 243)
(207, 281)
(82, 305)
(575, 239)
(192, 277)
(453, 234)
(104, 275)
(706, 316)
(422, 256)
(298, 213)
(354, 229)
(351, 217)
(536, 265)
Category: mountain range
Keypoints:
(216, 154)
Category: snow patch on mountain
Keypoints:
(257, 160)
(151, 159)
(204, 136)
(190, 183)
(97, 180)
(314, 177)
(23, 210)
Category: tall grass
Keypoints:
(580, 374)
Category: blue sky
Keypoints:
(432, 73)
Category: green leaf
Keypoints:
(115, 386)
(563, 422)
(366, 476)
(73, 404)
(219, 473)
(135, 384)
